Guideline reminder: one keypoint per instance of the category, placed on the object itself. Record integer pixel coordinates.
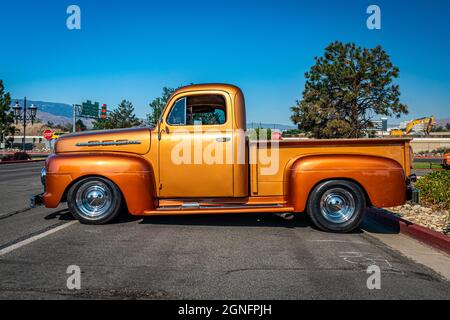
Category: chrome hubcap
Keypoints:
(94, 200)
(337, 205)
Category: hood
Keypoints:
(135, 140)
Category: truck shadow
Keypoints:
(261, 220)
(230, 220)
(233, 220)
(62, 215)
(372, 224)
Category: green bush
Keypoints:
(435, 188)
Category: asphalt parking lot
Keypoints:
(193, 257)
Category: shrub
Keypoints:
(435, 188)
(17, 156)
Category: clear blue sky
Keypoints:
(131, 49)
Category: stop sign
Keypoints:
(48, 134)
(276, 135)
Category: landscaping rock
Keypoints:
(437, 220)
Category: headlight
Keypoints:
(43, 174)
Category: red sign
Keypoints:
(48, 134)
(276, 135)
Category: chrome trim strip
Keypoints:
(211, 207)
(107, 143)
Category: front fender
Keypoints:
(132, 174)
(382, 179)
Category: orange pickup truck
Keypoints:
(200, 160)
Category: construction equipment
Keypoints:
(428, 122)
(446, 161)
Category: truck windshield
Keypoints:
(177, 115)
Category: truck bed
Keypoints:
(275, 184)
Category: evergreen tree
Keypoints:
(157, 106)
(100, 124)
(6, 116)
(80, 126)
(345, 89)
(123, 116)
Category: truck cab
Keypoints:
(200, 160)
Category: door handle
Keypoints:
(223, 139)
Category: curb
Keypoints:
(422, 234)
(20, 161)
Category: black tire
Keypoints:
(94, 200)
(337, 206)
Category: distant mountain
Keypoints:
(442, 122)
(58, 113)
(55, 108)
(46, 117)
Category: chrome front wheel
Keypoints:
(94, 200)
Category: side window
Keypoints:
(199, 110)
(177, 115)
(206, 115)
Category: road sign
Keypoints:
(89, 109)
(48, 134)
(276, 135)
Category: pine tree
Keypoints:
(157, 106)
(123, 116)
(345, 89)
(6, 116)
(100, 124)
(80, 126)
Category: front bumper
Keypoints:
(37, 200)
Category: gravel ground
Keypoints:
(438, 220)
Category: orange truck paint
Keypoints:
(138, 162)
(132, 174)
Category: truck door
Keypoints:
(195, 147)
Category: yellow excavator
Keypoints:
(428, 121)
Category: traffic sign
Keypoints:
(276, 135)
(89, 109)
(48, 134)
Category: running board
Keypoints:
(190, 208)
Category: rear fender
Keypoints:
(382, 179)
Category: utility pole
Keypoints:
(74, 117)
(24, 122)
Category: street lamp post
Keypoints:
(25, 115)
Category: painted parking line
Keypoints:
(36, 237)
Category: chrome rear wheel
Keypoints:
(337, 205)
